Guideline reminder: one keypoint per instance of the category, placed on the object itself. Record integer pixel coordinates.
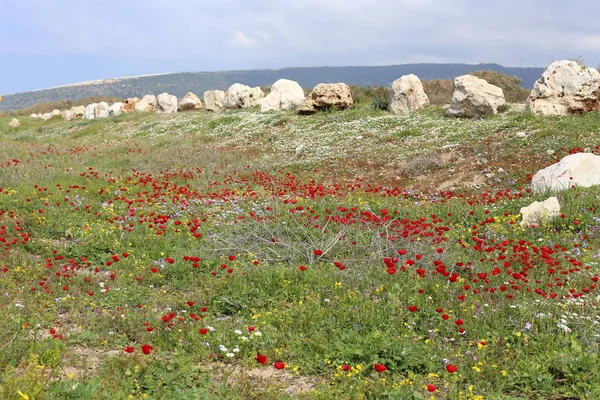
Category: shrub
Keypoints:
(510, 85)
(439, 91)
(379, 103)
(366, 95)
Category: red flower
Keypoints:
(346, 367)
(412, 308)
(261, 359)
(445, 317)
(251, 328)
(129, 349)
(459, 322)
(380, 367)
(279, 365)
(147, 348)
(169, 260)
(318, 252)
(302, 268)
(190, 303)
(231, 258)
(451, 368)
(391, 270)
(203, 331)
(431, 388)
(154, 270)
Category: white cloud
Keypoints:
(242, 40)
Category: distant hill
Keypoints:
(198, 82)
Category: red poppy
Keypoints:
(251, 328)
(302, 268)
(412, 308)
(451, 368)
(346, 367)
(203, 331)
(318, 252)
(279, 365)
(431, 388)
(261, 359)
(231, 258)
(147, 348)
(190, 303)
(459, 322)
(380, 367)
(129, 349)
(391, 270)
(154, 270)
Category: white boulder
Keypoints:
(55, 112)
(166, 103)
(538, 212)
(214, 99)
(116, 109)
(77, 112)
(474, 98)
(146, 104)
(565, 87)
(90, 111)
(190, 102)
(325, 96)
(580, 169)
(130, 103)
(102, 110)
(14, 123)
(285, 95)
(242, 96)
(406, 94)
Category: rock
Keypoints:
(565, 87)
(581, 169)
(406, 94)
(213, 100)
(537, 212)
(146, 104)
(14, 123)
(67, 115)
(90, 111)
(242, 96)
(77, 112)
(116, 109)
(517, 107)
(47, 116)
(34, 115)
(166, 103)
(102, 110)
(190, 102)
(474, 98)
(130, 103)
(56, 112)
(285, 95)
(325, 96)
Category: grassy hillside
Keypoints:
(179, 84)
(349, 254)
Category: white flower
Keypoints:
(257, 333)
(236, 350)
(564, 328)
(230, 355)
(223, 348)
(244, 338)
(237, 332)
(210, 328)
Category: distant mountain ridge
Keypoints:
(179, 84)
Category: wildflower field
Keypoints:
(350, 255)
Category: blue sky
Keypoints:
(45, 43)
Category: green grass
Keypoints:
(110, 226)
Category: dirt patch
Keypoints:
(261, 378)
(84, 362)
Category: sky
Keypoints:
(46, 43)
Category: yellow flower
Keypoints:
(23, 395)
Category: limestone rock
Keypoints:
(474, 98)
(580, 169)
(102, 110)
(130, 103)
(325, 96)
(242, 96)
(34, 115)
(285, 95)
(190, 102)
(538, 212)
(146, 104)
(116, 109)
(166, 103)
(55, 112)
(77, 112)
(213, 100)
(14, 123)
(90, 111)
(47, 116)
(406, 94)
(565, 87)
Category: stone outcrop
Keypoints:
(166, 103)
(406, 94)
(581, 169)
(129, 105)
(285, 95)
(564, 88)
(325, 96)
(538, 212)
(146, 104)
(213, 100)
(90, 111)
(474, 98)
(116, 109)
(242, 96)
(102, 110)
(190, 102)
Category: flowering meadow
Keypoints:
(351, 255)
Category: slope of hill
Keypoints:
(198, 82)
